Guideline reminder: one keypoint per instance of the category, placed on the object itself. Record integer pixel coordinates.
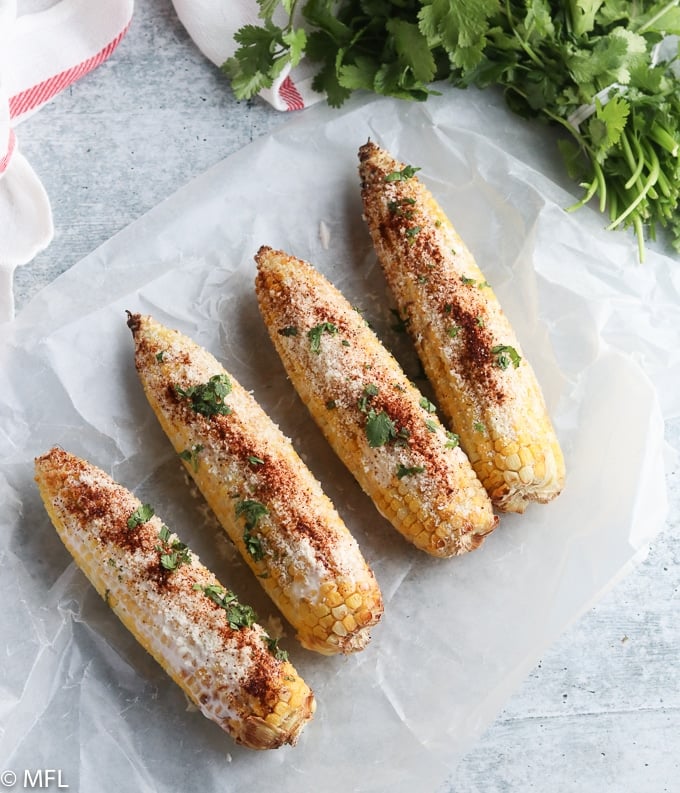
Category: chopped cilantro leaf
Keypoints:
(403, 470)
(252, 510)
(208, 398)
(314, 335)
(290, 330)
(141, 515)
(427, 405)
(380, 428)
(505, 356)
(191, 455)
(452, 440)
(273, 647)
(401, 176)
(238, 615)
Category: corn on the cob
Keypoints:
(266, 499)
(481, 379)
(378, 423)
(204, 639)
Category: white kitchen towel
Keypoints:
(212, 24)
(41, 53)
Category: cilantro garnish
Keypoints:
(427, 405)
(238, 615)
(191, 455)
(314, 335)
(173, 554)
(380, 429)
(208, 398)
(407, 172)
(252, 510)
(273, 647)
(289, 330)
(452, 440)
(141, 515)
(403, 470)
(505, 356)
(370, 391)
(398, 207)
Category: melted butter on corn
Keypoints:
(495, 404)
(309, 560)
(229, 673)
(419, 480)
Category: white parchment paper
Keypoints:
(602, 332)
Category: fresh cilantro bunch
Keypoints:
(605, 71)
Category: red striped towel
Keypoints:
(42, 54)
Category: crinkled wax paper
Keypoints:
(602, 332)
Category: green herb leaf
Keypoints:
(208, 398)
(403, 470)
(252, 510)
(427, 405)
(314, 335)
(290, 330)
(380, 428)
(238, 615)
(273, 647)
(452, 440)
(401, 176)
(141, 515)
(505, 356)
(191, 455)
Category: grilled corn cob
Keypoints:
(266, 499)
(204, 639)
(378, 423)
(481, 379)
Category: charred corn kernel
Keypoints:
(374, 418)
(267, 500)
(482, 381)
(178, 611)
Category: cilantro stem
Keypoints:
(636, 167)
(591, 189)
(659, 14)
(532, 55)
(651, 181)
(639, 233)
(663, 137)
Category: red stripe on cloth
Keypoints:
(290, 95)
(11, 143)
(41, 93)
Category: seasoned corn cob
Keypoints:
(266, 499)
(378, 423)
(479, 374)
(200, 634)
